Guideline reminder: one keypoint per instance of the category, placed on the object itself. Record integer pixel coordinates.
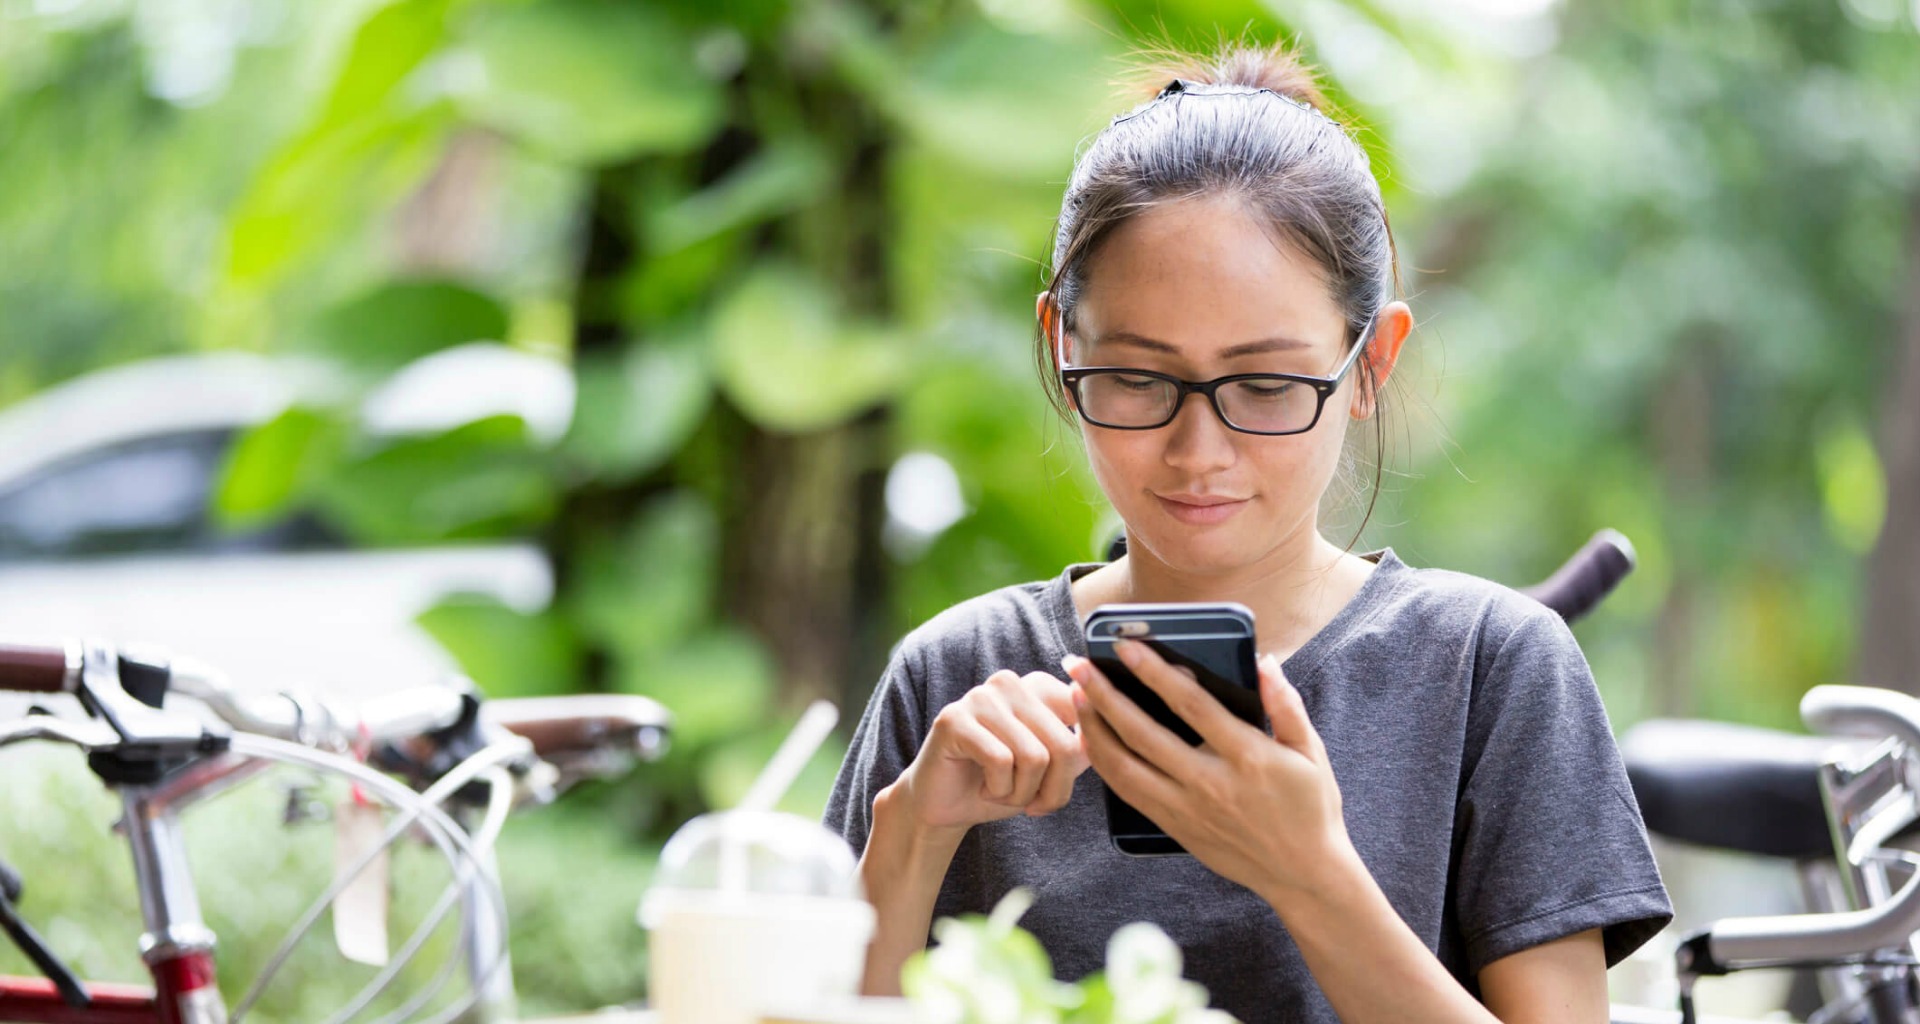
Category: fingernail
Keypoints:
(1069, 662)
(1128, 650)
(1270, 661)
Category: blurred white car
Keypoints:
(105, 529)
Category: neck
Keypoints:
(1294, 591)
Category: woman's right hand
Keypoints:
(1009, 746)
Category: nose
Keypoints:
(1198, 441)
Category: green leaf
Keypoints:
(661, 288)
(785, 176)
(482, 479)
(388, 47)
(787, 359)
(276, 464)
(400, 321)
(509, 653)
(641, 592)
(636, 408)
(590, 82)
(1853, 485)
(975, 99)
(718, 683)
(368, 143)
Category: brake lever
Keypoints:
(151, 741)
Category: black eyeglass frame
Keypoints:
(1323, 389)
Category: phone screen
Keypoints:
(1216, 642)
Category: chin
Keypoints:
(1198, 554)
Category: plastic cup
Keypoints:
(731, 958)
(753, 913)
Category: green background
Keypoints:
(1659, 251)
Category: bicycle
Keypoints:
(478, 758)
(1838, 806)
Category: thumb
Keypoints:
(1284, 708)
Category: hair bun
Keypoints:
(1277, 67)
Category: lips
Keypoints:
(1201, 509)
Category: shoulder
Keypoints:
(1468, 613)
(1024, 627)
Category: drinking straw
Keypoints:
(774, 781)
(794, 753)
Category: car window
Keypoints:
(149, 495)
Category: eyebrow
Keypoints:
(1278, 343)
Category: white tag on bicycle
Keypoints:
(360, 911)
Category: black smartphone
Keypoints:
(1215, 641)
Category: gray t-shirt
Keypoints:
(1478, 773)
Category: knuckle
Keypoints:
(1031, 751)
(1040, 682)
(977, 703)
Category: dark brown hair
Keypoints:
(1249, 123)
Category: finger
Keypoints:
(1030, 755)
(978, 744)
(1047, 704)
(1136, 781)
(1056, 786)
(1065, 748)
(1285, 710)
(1057, 698)
(1122, 718)
(1183, 693)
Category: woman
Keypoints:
(1438, 827)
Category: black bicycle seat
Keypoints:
(1733, 787)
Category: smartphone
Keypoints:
(1216, 641)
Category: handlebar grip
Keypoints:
(39, 668)
(1865, 711)
(1588, 577)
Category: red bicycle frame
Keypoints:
(184, 993)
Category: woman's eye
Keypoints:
(1133, 383)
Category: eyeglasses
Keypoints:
(1122, 398)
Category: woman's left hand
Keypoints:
(1263, 811)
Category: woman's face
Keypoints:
(1199, 289)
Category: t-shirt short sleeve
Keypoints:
(883, 745)
(1550, 838)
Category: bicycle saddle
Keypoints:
(1733, 787)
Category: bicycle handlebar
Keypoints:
(318, 722)
(1739, 942)
(39, 668)
(1862, 711)
(1578, 586)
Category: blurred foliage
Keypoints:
(1669, 306)
(1655, 247)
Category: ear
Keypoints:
(1390, 329)
(1050, 327)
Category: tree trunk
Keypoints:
(796, 551)
(1683, 436)
(1890, 634)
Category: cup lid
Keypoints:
(759, 852)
